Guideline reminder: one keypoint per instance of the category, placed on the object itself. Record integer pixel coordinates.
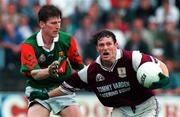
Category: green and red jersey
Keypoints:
(34, 56)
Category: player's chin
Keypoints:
(55, 35)
(105, 58)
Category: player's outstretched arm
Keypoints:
(44, 95)
(56, 92)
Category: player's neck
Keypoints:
(47, 41)
(107, 64)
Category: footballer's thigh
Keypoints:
(37, 110)
(71, 111)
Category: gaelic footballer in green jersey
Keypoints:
(33, 56)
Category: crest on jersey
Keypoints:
(61, 54)
(42, 58)
(122, 72)
(99, 78)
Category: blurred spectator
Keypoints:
(145, 10)
(23, 27)
(95, 14)
(2, 53)
(67, 6)
(83, 36)
(170, 38)
(167, 10)
(172, 46)
(68, 26)
(11, 41)
(45, 2)
(11, 13)
(113, 25)
(123, 9)
(1, 5)
(119, 23)
(33, 19)
(24, 8)
(84, 5)
(135, 3)
(137, 43)
(1, 27)
(138, 24)
(153, 33)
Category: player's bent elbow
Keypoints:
(164, 69)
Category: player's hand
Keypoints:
(39, 95)
(164, 80)
(53, 69)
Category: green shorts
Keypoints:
(55, 104)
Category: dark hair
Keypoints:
(103, 33)
(48, 11)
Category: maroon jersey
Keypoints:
(116, 86)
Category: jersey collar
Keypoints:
(41, 43)
(118, 56)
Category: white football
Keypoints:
(147, 73)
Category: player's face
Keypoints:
(107, 49)
(51, 27)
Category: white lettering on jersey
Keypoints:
(121, 85)
(113, 89)
(104, 88)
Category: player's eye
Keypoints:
(101, 45)
(108, 44)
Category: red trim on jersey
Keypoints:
(28, 57)
(73, 54)
(62, 68)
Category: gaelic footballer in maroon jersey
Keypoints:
(112, 76)
(116, 86)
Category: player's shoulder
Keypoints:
(126, 54)
(31, 40)
(64, 35)
(65, 38)
(92, 67)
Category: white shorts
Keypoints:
(55, 104)
(149, 108)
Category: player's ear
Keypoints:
(116, 44)
(41, 24)
(97, 49)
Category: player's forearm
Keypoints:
(164, 69)
(40, 74)
(56, 92)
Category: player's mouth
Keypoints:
(106, 53)
(55, 32)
